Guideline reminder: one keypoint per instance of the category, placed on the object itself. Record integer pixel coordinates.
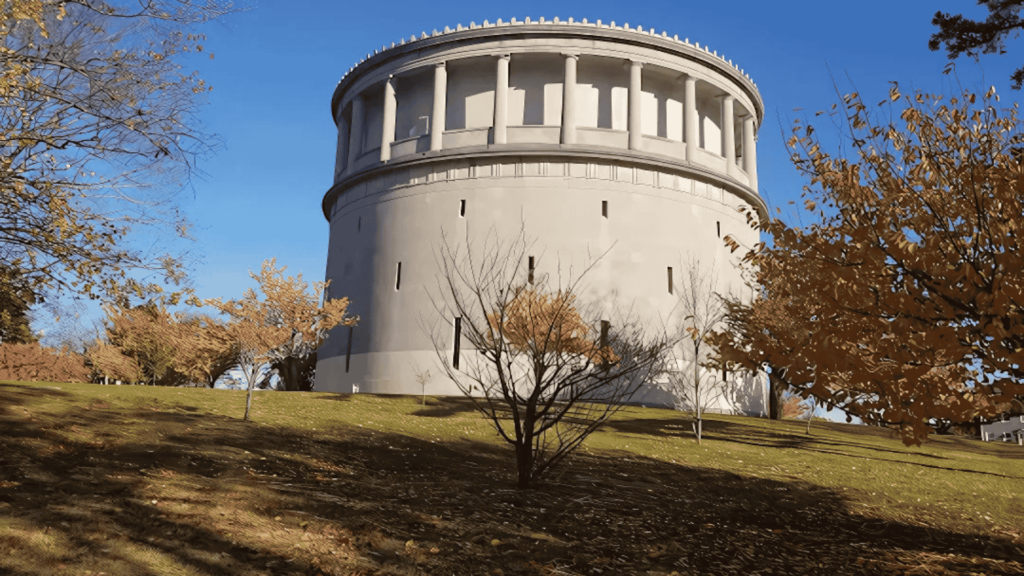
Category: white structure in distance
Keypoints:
(585, 136)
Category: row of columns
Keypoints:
(568, 127)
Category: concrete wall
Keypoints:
(405, 216)
(470, 94)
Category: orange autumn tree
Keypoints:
(142, 345)
(210, 350)
(288, 320)
(34, 363)
(903, 303)
(149, 344)
(545, 368)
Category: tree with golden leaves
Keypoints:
(148, 343)
(149, 335)
(208, 350)
(903, 303)
(289, 320)
(34, 363)
(545, 368)
(98, 131)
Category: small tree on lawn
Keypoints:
(544, 368)
(422, 376)
(284, 322)
(700, 310)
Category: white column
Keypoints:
(341, 156)
(728, 134)
(355, 140)
(440, 106)
(569, 100)
(750, 151)
(390, 109)
(635, 107)
(501, 101)
(691, 131)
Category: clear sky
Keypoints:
(277, 64)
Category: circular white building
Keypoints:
(586, 136)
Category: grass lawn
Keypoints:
(138, 480)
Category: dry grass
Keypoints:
(139, 480)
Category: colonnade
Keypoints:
(568, 117)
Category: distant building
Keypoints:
(588, 137)
(1009, 429)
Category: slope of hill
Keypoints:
(141, 480)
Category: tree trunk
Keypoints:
(524, 464)
(251, 377)
(698, 427)
(292, 370)
(296, 373)
(774, 398)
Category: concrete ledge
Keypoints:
(578, 152)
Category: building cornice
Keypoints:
(582, 154)
(579, 30)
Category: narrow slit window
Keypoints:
(458, 342)
(718, 228)
(725, 374)
(462, 208)
(529, 277)
(359, 224)
(604, 208)
(348, 349)
(671, 286)
(398, 277)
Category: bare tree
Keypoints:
(545, 368)
(693, 385)
(422, 376)
(810, 407)
(99, 131)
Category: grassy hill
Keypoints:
(140, 480)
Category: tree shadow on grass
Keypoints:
(14, 394)
(333, 397)
(781, 437)
(242, 498)
(446, 406)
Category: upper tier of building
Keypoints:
(549, 87)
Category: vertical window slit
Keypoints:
(462, 208)
(530, 274)
(604, 208)
(348, 350)
(398, 277)
(671, 286)
(359, 224)
(718, 227)
(458, 342)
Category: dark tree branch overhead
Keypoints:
(962, 35)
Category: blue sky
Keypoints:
(277, 64)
